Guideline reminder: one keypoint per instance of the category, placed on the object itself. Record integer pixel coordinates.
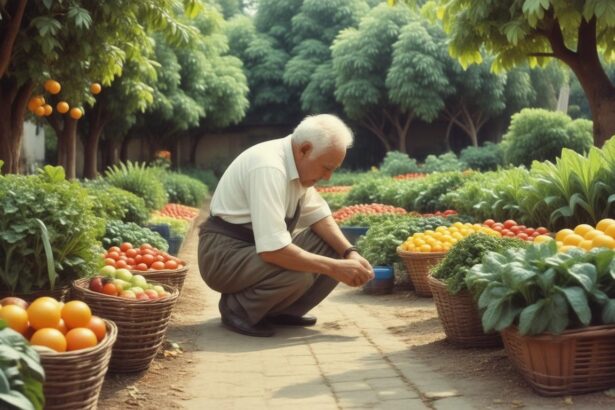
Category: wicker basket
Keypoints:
(73, 380)
(577, 361)
(59, 293)
(418, 265)
(141, 324)
(173, 278)
(460, 317)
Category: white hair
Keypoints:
(323, 131)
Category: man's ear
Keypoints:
(305, 148)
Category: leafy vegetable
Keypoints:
(118, 232)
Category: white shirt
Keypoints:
(261, 187)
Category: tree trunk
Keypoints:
(13, 104)
(70, 139)
(377, 128)
(112, 152)
(193, 152)
(90, 166)
(401, 123)
(9, 31)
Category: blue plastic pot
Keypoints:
(383, 282)
(352, 233)
(163, 229)
(175, 242)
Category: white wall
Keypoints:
(32, 147)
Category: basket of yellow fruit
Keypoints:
(587, 237)
(423, 250)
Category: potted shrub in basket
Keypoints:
(457, 309)
(46, 226)
(556, 314)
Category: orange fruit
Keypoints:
(603, 241)
(62, 327)
(573, 239)
(542, 239)
(95, 88)
(15, 317)
(586, 244)
(610, 231)
(44, 312)
(592, 234)
(39, 111)
(62, 107)
(52, 86)
(48, 110)
(582, 229)
(604, 224)
(562, 234)
(34, 103)
(76, 113)
(98, 326)
(76, 314)
(80, 338)
(51, 338)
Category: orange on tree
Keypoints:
(51, 338)
(76, 113)
(62, 107)
(48, 110)
(35, 102)
(95, 88)
(39, 111)
(52, 86)
(80, 338)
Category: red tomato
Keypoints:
(114, 249)
(113, 255)
(505, 232)
(130, 261)
(121, 264)
(489, 222)
(529, 231)
(145, 246)
(148, 259)
(170, 264)
(509, 222)
(110, 289)
(158, 265)
(125, 246)
(131, 253)
(141, 266)
(523, 235)
(515, 229)
(542, 230)
(109, 261)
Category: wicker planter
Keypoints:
(577, 361)
(460, 317)
(418, 265)
(73, 380)
(141, 324)
(59, 293)
(173, 278)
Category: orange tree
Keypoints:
(76, 43)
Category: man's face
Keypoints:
(315, 168)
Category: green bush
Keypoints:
(346, 178)
(398, 163)
(206, 176)
(110, 202)
(143, 181)
(65, 209)
(443, 163)
(537, 134)
(486, 158)
(183, 189)
(118, 232)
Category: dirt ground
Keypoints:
(485, 375)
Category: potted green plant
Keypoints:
(457, 309)
(555, 311)
(21, 373)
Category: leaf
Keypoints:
(578, 300)
(608, 312)
(585, 275)
(530, 320)
(48, 253)
(54, 174)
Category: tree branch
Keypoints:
(6, 49)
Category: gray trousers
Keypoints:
(233, 267)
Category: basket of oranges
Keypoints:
(141, 310)
(74, 348)
(148, 261)
(423, 250)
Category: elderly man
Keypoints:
(247, 250)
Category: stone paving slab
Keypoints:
(349, 360)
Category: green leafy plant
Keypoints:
(485, 158)
(143, 181)
(110, 202)
(466, 253)
(118, 232)
(21, 373)
(541, 290)
(336, 200)
(47, 231)
(177, 227)
(379, 244)
(183, 189)
(447, 162)
(397, 163)
(206, 176)
(347, 178)
(368, 220)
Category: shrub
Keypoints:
(143, 181)
(444, 163)
(118, 232)
(346, 178)
(71, 227)
(110, 202)
(537, 134)
(486, 158)
(206, 176)
(183, 189)
(397, 163)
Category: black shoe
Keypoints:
(240, 324)
(290, 320)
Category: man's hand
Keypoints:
(354, 271)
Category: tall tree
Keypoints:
(531, 31)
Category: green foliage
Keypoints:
(21, 373)
(368, 190)
(427, 194)
(141, 180)
(486, 158)
(118, 232)
(379, 244)
(65, 210)
(466, 253)
(346, 178)
(336, 200)
(206, 176)
(442, 163)
(398, 163)
(109, 202)
(369, 220)
(537, 134)
(541, 290)
(177, 227)
(576, 188)
(183, 189)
